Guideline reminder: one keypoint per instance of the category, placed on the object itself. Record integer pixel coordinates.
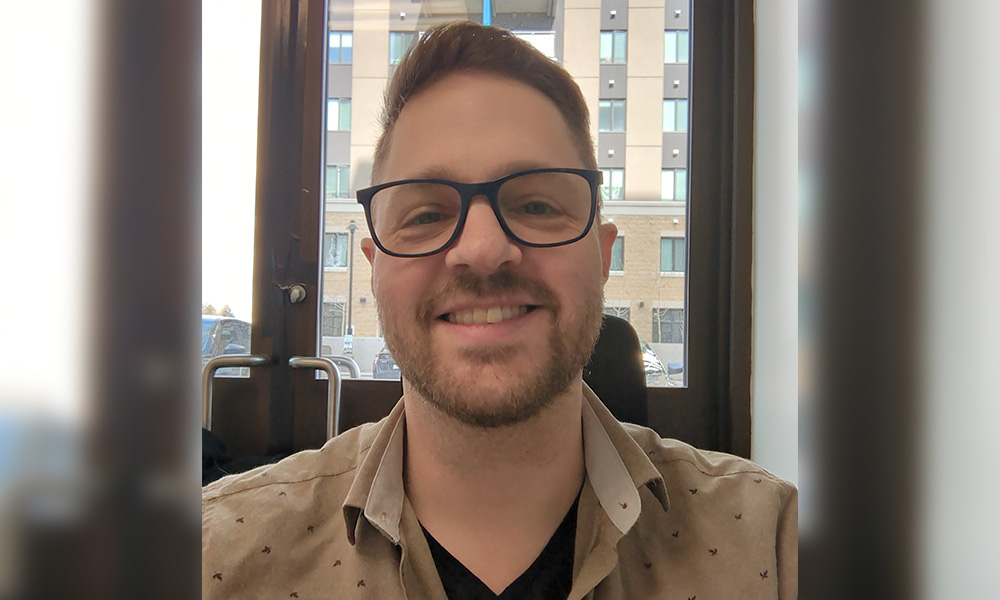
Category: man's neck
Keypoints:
(493, 498)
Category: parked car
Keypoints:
(224, 335)
(384, 366)
(656, 375)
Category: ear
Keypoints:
(370, 250)
(606, 234)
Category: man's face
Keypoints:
(542, 306)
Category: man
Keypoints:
(499, 473)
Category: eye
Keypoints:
(425, 218)
(537, 208)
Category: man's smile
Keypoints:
(490, 315)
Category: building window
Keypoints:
(622, 312)
(671, 255)
(675, 46)
(611, 115)
(618, 255)
(333, 318)
(341, 49)
(613, 187)
(399, 43)
(668, 325)
(673, 185)
(338, 181)
(335, 250)
(543, 41)
(338, 114)
(675, 115)
(613, 45)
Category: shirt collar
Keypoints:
(616, 467)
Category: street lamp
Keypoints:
(349, 349)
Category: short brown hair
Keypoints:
(467, 46)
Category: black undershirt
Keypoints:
(549, 577)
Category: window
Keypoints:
(675, 115)
(622, 312)
(335, 250)
(338, 114)
(613, 45)
(618, 255)
(543, 41)
(673, 185)
(675, 46)
(338, 181)
(341, 49)
(333, 319)
(399, 42)
(611, 115)
(668, 325)
(613, 187)
(671, 255)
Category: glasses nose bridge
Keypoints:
(489, 191)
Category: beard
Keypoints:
(467, 397)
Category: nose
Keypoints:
(482, 246)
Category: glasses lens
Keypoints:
(414, 218)
(546, 208)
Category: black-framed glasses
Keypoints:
(540, 208)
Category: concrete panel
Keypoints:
(620, 18)
(371, 40)
(338, 81)
(576, 4)
(338, 147)
(674, 140)
(681, 75)
(645, 42)
(361, 167)
(611, 141)
(642, 173)
(672, 20)
(589, 89)
(619, 75)
(365, 108)
(644, 112)
(582, 42)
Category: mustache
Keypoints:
(470, 286)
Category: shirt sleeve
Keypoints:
(787, 547)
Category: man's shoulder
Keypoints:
(676, 459)
(338, 458)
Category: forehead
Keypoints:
(477, 127)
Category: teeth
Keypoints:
(482, 316)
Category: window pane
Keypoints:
(333, 54)
(666, 254)
(682, 46)
(669, 46)
(667, 185)
(346, 47)
(681, 123)
(332, 114)
(605, 46)
(331, 182)
(681, 184)
(604, 115)
(618, 254)
(618, 115)
(619, 52)
(345, 115)
(669, 115)
(344, 177)
(679, 261)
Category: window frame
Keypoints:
(616, 108)
(279, 409)
(614, 59)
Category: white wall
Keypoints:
(774, 384)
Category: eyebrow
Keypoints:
(441, 171)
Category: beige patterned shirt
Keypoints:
(656, 519)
